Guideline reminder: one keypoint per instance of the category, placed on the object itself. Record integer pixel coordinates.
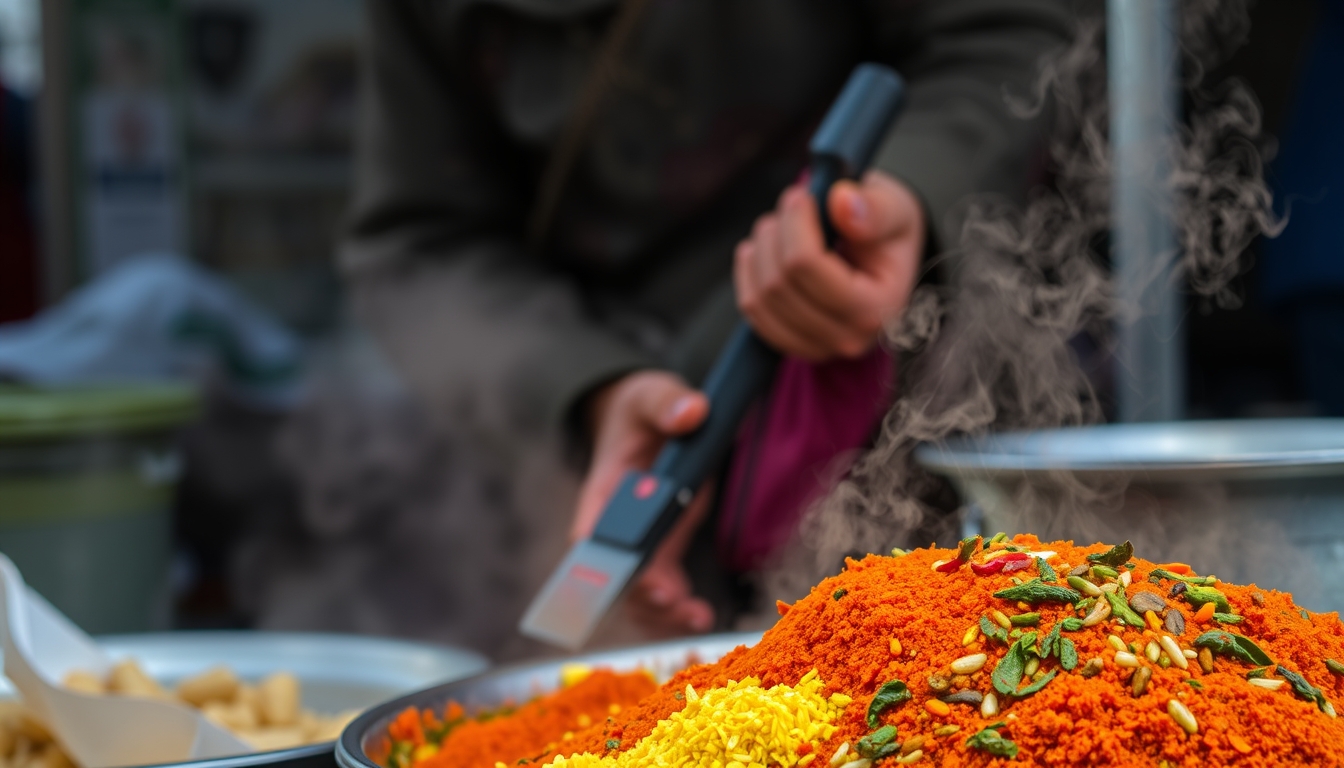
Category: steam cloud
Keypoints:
(1008, 342)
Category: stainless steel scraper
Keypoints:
(645, 506)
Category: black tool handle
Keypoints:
(642, 510)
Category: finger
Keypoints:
(667, 405)
(877, 208)
(603, 477)
(827, 280)
(692, 615)
(825, 335)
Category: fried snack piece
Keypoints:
(215, 684)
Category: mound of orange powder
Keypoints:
(1019, 652)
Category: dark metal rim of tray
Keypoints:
(516, 681)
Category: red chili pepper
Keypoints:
(993, 566)
(949, 566)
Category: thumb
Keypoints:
(877, 208)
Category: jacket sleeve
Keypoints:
(963, 60)
(438, 272)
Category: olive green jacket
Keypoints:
(707, 119)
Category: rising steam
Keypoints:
(1004, 345)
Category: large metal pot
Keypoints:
(526, 681)
(1251, 501)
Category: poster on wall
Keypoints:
(129, 168)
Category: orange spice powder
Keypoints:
(845, 626)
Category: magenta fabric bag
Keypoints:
(794, 445)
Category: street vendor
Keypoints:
(563, 207)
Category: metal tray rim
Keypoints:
(1018, 453)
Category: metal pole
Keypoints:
(1141, 58)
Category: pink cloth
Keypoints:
(794, 445)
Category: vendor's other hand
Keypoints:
(807, 301)
(630, 419)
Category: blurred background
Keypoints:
(191, 160)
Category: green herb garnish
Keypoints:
(993, 631)
(1048, 574)
(1196, 581)
(1232, 644)
(1198, 596)
(1103, 572)
(1025, 619)
(989, 740)
(1305, 615)
(839, 593)
(1303, 688)
(1068, 654)
(1035, 591)
(1115, 556)
(1121, 610)
(1000, 536)
(1036, 686)
(1051, 641)
(888, 695)
(1071, 624)
(613, 743)
(1195, 684)
(1334, 666)
(1228, 618)
(1257, 672)
(1007, 673)
(879, 744)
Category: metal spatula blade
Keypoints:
(579, 593)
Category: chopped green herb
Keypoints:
(1257, 672)
(967, 548)
(888, 695)
(1038, 685)
(839, 593)
(1103, 572)
(1071, 624)
(1232, 644)
(1007, 673)
(1195, 684)
(1197, 581)
(1334, 666)
(1048, 574)
(1036, 592)
(989, 740)
(1304, 689)
(1049, 645)
(879, 743)
(993, 631)
(1084, 604)
(613, 743)
(1000, 536)
(679, 696)
(1025, 619)
(1121, 610)
(1305, 615)
(1228, 618)
(1068, 655)
(898, 552)
(1198, 596)
(1115, 556)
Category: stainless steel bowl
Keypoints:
(337, 672)
(1249, 500)
(526, 681)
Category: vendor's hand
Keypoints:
(630, 419)
(809, 302)
(661, 601)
